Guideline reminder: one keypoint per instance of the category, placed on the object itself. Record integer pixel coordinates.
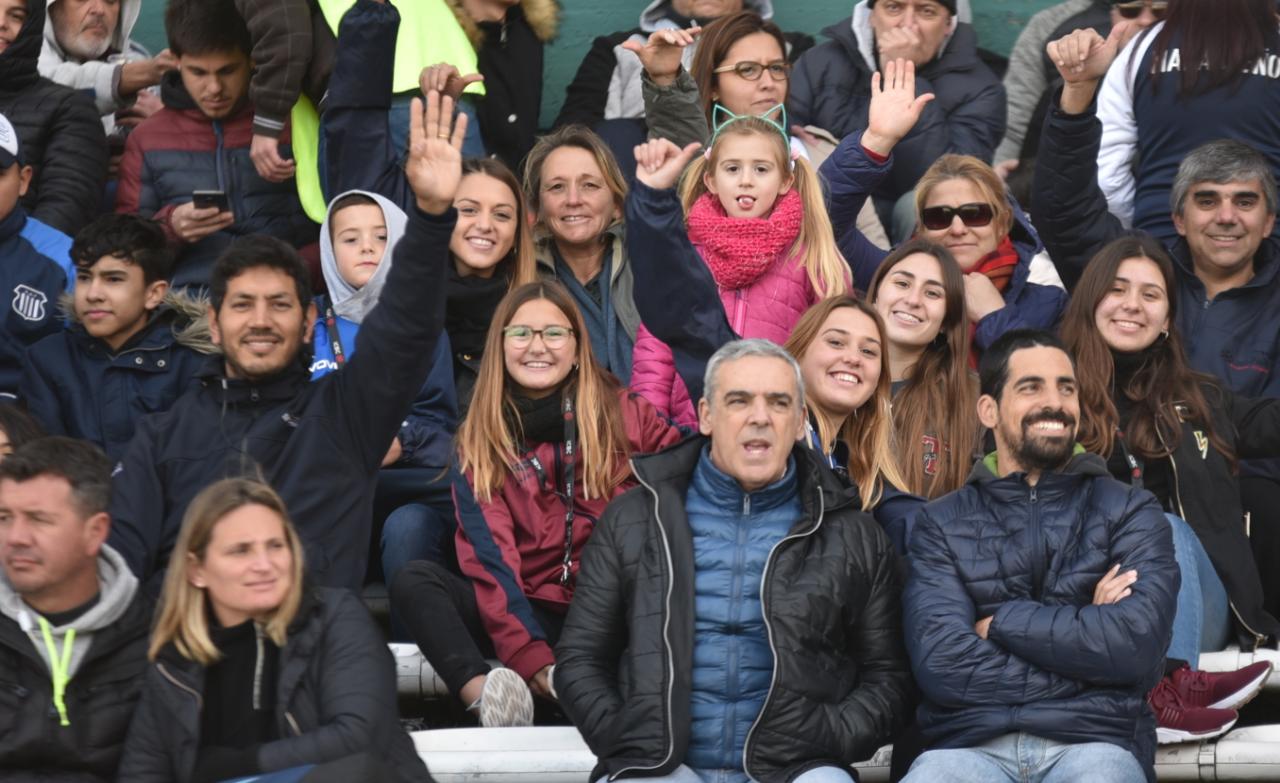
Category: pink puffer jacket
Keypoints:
(767, 308)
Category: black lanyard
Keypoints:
(335, 339)
(566, 497)
(1135, 467)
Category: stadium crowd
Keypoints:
(785, 399)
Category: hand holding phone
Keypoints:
(204, 199)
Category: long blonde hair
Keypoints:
(816, 243)
(868, 432)
(489, 447)
(183, 617)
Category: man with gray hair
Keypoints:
(1227, 262)
(737, 615)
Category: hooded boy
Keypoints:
(35, 265)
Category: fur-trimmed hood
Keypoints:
(189, 316)
(543, 17)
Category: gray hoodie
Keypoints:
(350, 302)
(101, 76)
(117, 586)
(626, 99)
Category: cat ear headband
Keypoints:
(722, 118)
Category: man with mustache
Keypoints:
(1041, 595)
(255, 411)
(737, 615)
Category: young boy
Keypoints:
(133, 347)
(35, 265)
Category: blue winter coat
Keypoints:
(35, 267)
(852, 175)
(426, 434)
(831, 88)
(733, 533)
(1053, 664)
(1235, 336)
(74, 385)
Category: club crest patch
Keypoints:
(29, 302)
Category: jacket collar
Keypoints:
(724, 491)
(1266, 263)
(13, 223)
(283, 386)
(985, 474)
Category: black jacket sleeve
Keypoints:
(1257, 424)
(69, 180)
(358, 150)
(594, 637)
(674, 291)
(138, 503)
(588, 93)
(396, 342)
(1070, 209)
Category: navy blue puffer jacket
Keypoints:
(1053, 664)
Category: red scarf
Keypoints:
(999, 266)
(740, 250)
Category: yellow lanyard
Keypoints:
(59, 666)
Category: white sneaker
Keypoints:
(505, 700)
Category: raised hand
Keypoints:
(1082, 58)
(659, 162)
(895, 108)
(434, 165)
(660, 55)
(446, 80)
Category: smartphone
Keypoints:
(203, 199)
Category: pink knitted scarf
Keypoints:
(740, 250)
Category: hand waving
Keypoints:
(660, 55)
(895, 108)
(434, 164)
(446, 80)
(659, 162)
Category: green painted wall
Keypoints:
(998, 23)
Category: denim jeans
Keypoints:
(1026, 758)
(1202, 622)
(683, 774)
(420, 527)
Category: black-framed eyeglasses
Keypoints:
(552, 336)
(778, 70)
(1132, 9)
(972, 215)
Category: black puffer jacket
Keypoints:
(831, 605)
(335, 696)
(831, 88)
(60, 131)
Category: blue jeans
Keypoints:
(1202, 622)
(421, 529)
(1026, 758)
(291, 775)
(472, 144)
(683, 774)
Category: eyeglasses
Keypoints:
(1133, 8)
(972, 215)
(552, 336)
(778, 71)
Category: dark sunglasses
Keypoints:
(1133, 8)
(972, 215)
(752, 71)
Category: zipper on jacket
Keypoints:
(160, 667)
(1037, 538)
(768, 626)
(666, 632)
(257, 668)
(219, 163)
(1258, 639)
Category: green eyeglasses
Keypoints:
(552, 336)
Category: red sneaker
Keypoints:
(1221, 690)
(1177, 722)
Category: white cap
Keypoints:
(9, 149)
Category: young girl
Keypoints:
(919, 292)
(544, 449)
(755, 215)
